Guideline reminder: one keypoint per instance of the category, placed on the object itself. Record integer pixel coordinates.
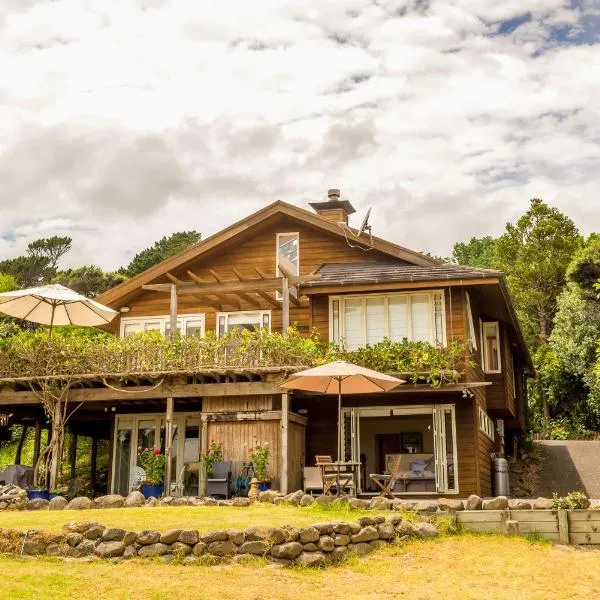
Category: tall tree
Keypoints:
(477, 252)
(167, 246)
(535, 253)
(88, 280)
(52, 249)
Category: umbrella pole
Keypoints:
(339, 420)
(51, 321)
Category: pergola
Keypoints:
(219, 292)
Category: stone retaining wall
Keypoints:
(317, 545)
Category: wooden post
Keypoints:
(285, 306)
(19, 449)
(37, 440)
(173, 310)
(168, 444)
(73, 456)
(93, 464)
(285, 420)
(563, 526)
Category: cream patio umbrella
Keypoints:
(55, 305)
(340, 377)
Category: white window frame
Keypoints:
(278, 294)
(486, 424)
(484, 356)
(164, 320)
(472, 336)
(408, 295)
(242, 312)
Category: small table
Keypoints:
(341, 474)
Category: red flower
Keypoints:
(145, 449)
(156, 451)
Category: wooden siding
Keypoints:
(316, 247)
(485, 446)
(237, 403)
(296, 457)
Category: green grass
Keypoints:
(464, 567)
(202, 518)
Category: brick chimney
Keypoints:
(334, 209)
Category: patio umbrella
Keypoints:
(340, 377)
(55, 305)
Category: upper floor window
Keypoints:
(367, 319)
(186, 324)
(287, 253)
(490, 332)
(471, 331)
(250, 320)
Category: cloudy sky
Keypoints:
(125, 120)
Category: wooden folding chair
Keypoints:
(329, 476)
(387, 481)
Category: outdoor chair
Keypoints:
(387, 481)
(332, 476)
(218, 482)
(138, 476)
(313, 481)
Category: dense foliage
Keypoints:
(70, 355)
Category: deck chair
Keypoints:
(328, 476)
(387, 481)
(313, 481)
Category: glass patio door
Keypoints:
(444, 435)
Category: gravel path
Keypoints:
(569, 465)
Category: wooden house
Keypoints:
(288, 265)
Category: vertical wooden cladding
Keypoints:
(296, 458)
(237, 403)
(239, 436)
(256, 251)
(485, 446)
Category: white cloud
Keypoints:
(122, 121)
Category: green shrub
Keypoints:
(572, 501)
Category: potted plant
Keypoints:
(38, 491)
(153, 463)
(259, 455)
(57, 492)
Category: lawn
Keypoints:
(202, 518)
(462, 567)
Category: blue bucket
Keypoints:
(34, 494)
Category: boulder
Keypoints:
(497, 503)
(152, 501)
(405, 529)
(366, 534)
(381, 503)
(94, 533)
(386, 531)
(181, 502)
(86, 547)
(255, 547)
(376, 544)
(37, 504)
(342, 528)
(354, 527)
(113, 534)
(308, 534)
(394, 519)
(54, 550)
(214, 536)
(130, 552)
(241, 502)
(110, 549)
(58, 503)
(110, 501)
(360, 549)
(166, 501)
(326, 543)
(295, 497)
(73, 539)
(543, 504)
(80, 503)
(426, 506)
(268, 496)
(157, 549)
(288, 551)
(473, 502)
(310, 547)
(130, 538)
(307, 500)
(450, 504)
(146, 538)
(33, 547)
(425, 530)
(358, 504)
(341, 539)
(170, 537)
(135, 499)
(189, 537)
(364, 521)
(400, 505)
(199, 548)
(311, 559)
(338, 554)
(221, 548)
(379, 519)
(324, 501)
(209, 502)
(518, 504)
(324, 528)
(181, 549)
(236, 536)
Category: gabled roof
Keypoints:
(114, 295)
(373, 272)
